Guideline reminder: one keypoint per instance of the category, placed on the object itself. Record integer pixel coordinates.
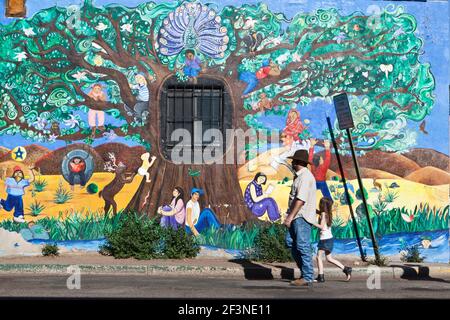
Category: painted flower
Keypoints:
(40, 123)
(340, 37)
(98, 61)
(296, 57)
(29, 32)
(72, 122)
(21, 56)
(80, 76)
(193, 26)
(249, 24)
(52, 138)
(126, 27)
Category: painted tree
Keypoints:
(49, 61)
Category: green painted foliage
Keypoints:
(50, 60)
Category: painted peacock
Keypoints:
(196, 27)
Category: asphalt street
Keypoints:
(135, 286)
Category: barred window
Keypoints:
(195, 108)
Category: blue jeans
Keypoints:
(298, 238)
(13, 202)
(207, 219)
(322, 186)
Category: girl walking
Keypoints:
(326, 240)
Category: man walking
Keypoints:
(300, 216)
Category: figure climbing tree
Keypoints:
(49, 61)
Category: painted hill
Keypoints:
(393, 163)
(3, 151)
(376, 164)
(51, 162)
(429, 157)
(34, 152)
(377, 174)
(430, 176)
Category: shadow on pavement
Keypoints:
(423, 273)
(254, 271)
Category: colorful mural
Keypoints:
(81, 91)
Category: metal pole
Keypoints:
(347, 194)
(361, 188)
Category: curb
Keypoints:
(257, 272)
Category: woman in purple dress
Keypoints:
(258, 201)
(174, 216)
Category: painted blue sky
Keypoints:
(433, 27)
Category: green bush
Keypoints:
(382, 261)
(411, 254)
(50, 250)
(92, 188)
(270, 245)
(143, 238)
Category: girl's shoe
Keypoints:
(320, 278)
(348, 272)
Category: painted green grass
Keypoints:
(388, 222)
(241, 238)
(90, 226)
(78, 226)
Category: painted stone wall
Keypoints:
(80, 90)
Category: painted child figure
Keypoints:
(146, 164)
(192, 65)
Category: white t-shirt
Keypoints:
(326, 234)
(304, 188)
(195, 213)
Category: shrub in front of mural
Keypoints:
(143, 238)
(179, 245)
(50, 250)
(411, 254)
(270, 245)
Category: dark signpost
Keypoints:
(345, 120)
(347, 194)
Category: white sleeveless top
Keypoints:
(326, 233)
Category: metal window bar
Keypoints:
(201, 97)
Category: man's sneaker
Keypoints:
(348, 272)
(19, 219)
(301, 283)
(320, 278)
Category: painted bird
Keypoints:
(422, 127)
(408, 217)
(193, 173)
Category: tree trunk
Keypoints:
(219, 181)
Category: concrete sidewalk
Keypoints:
(98, 264)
